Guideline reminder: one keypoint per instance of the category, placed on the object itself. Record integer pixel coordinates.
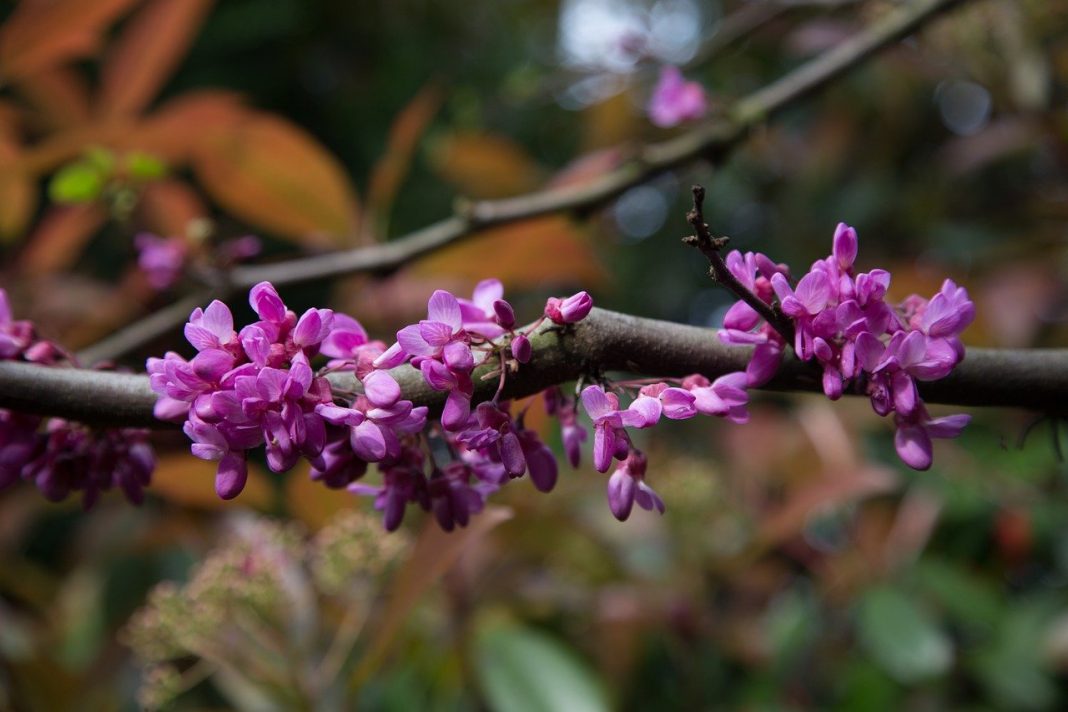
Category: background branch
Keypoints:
(710, 141)
(605, 341)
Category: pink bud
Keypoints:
(504, 313)
(570, 310)
(521, 348)
(845, 246)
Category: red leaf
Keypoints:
(59, 238)
(59, 95)
(40, 35)
(273, 174)
(18, 193)
(188, 123)
(147, 52)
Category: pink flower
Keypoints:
(676, 100)
(627, 486)
(162, 259)
(914, 432)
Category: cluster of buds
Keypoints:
(841, 320)
(61, 456)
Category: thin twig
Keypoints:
(710, 141)
(710, 247)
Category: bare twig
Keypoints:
(710, 247)
(709, 141)
(1036, 379)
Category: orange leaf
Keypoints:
(18, 194)
(147, 52)
(313, 502)
(57, 241)
(485, 165)
(435, 552)
(389, 172)
(526, 254)
(60, 95)
(168, 206)
(190, 482)
(10, 120)
(39, 35)
(273, 174)
(187, 123)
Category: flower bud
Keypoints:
(504, 313)
(570, 310)
(845, 246)
(521, 348)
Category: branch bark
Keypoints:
(1035, 379)
(710, 141)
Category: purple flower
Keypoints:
(541, 463)
(15, 336)
(569, 311)
(402, 482)
(609, 438)
(443, 325)
(69, 457)
(498, 436)
(240, 249)
(725, 397)
(674, 403)
(627, 486)
(676, 100)
(161, 259)
(486, 313)
(912, 439)
(452, 499)
(211, 328)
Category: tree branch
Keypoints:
(710, 141)
(605, 341)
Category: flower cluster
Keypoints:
(675, 100)
(249, 389)
(60, 456)
(841, 320)
(487, 446)
(694, 395)
(257, 387)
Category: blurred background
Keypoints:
(799, 564)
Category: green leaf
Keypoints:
(1012, 666)
(902, 638)
(968, 600)
(524, 670)
(144, 166)
(79, 182)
